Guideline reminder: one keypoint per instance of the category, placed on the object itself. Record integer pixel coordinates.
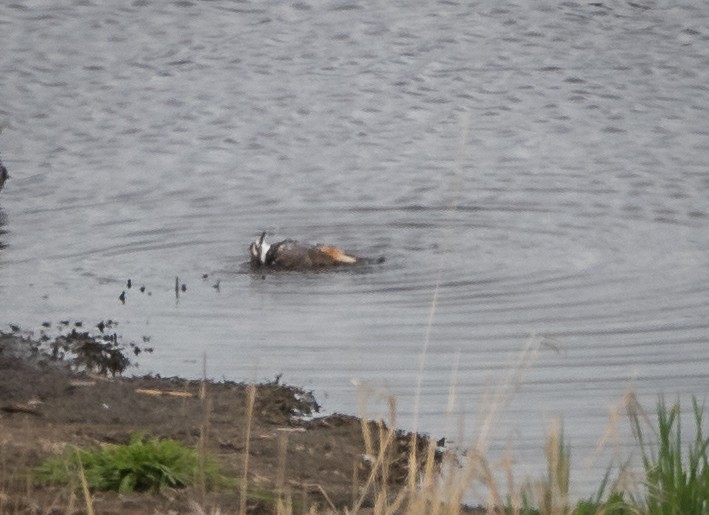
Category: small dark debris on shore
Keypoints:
(101, 353)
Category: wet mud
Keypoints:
(68, 390)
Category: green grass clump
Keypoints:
(677, 480)
(143, 465)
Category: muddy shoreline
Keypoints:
(47, 405)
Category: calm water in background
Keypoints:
(547, 166)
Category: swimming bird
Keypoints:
(293, 255)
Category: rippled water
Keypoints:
(535, 169)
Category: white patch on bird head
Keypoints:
(263, 250)
(259, 249)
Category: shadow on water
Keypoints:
(4, 175)
(3, 231)
(369, 267)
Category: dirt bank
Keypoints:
(45, 406)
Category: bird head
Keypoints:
(258, 250)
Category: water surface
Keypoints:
(543, 168)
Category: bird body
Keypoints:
(293, 255)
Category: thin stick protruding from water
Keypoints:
(203, 429)
(203, 384)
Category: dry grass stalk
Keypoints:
(203, 384)
(555, 489)
(250, 400)
(282, 456)
(198, 510)
(507, 387)
(425, 499)
(396, 504)
(71, 505)
(322, 491)
(413, 472)
(515, 497)
(375, 472)
(203, 431)
(355, 481)
(422, 366)
(364, 420)
(284, 506)
(381, 494)
(202, 447)
(85, 486)
(476, 468)
(626, 480)
(424, 492)
(165, 393)
(386, 438)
